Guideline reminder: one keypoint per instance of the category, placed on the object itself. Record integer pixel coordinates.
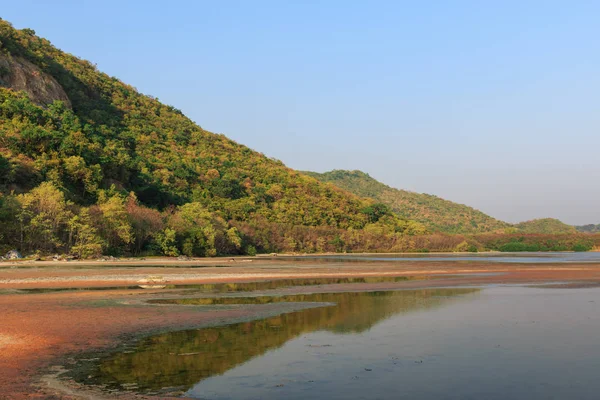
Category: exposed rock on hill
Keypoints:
(19, 74)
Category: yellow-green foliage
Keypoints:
(545, 225)
(115, 135)
(435, 213)
(86, 241)
(184, 184)
(116, 171)
(43, 214)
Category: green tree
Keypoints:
(79, 172)
(43, 217)
(196, 234)
(167, 242)
(84, 236)
(111, 220)
(5, 170)
(233, 235)
(10, 227)
(375, 211)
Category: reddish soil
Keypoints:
(38, 330)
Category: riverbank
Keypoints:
(232, 260)
(41, 330)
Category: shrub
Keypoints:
(582, 247)
(519, 246)
(250, 250)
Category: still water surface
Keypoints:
(522, 257)
(254, 286)
(495, 343)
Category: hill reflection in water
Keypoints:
(184, 358)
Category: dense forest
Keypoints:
(90, 166)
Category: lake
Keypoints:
(462, 343)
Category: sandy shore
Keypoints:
(41, 330)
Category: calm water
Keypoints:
(216, 288)
(521, 257)
(495, 343)
(524, 257)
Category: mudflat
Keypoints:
(53, 311)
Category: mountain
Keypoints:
(435, 213)
(546, 226)
(96, 145)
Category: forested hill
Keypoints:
(114, 135)
(435, 213)
(100, 150)
(545, 225)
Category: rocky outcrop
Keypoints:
(13, 255)
(19, 74)
(153, 282)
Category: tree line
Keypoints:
(43, 221)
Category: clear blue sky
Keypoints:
(492, 104)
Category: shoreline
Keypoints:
(161, 260)
(117, 275)
(41, 330)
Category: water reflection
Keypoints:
(181, 359)
(283, 283)
(241, 286)
(504, 343)
(522, 257)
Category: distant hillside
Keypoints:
(546, 226)
(435, 213)
(590, 228)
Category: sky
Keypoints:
(490, 104)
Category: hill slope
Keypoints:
(435, 213)
(115, 135)
(545, 225)
(94, 138)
